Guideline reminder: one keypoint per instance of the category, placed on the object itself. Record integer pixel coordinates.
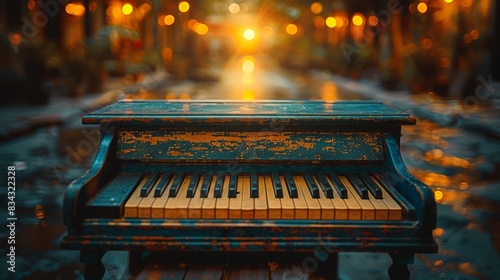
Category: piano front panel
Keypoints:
(207, 195)
(250, 145)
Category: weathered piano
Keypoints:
(265, 176)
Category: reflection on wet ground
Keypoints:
(460, 166)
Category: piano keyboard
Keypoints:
(220, 195)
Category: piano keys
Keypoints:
(260, 176)
(199, 198)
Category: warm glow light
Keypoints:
(438, 195)
(31, 4)
(357, 20)
(427, 43)
(331, 22)
(75, 9)
(15, 39)
(444, 62)
(249, 34)
(340, 21)
(169, 19)
(183, 6)
(127, 9)
(93, 7)
(248, 66)
(161, 20)
(448, 1)
(234, 8)
(316, 8)
(291, 29)
(248, 94)
(201, 29)
(422, 7)
(373, 20)
(247, 79)
(167, 53)
(144, 8)
(192, 23)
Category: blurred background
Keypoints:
(436, 59)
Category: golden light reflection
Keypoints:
(438, 195)
(329, 91)
(183, 6)
(31, 5)
(249, 34)
(331, 22)
(169, 19)
(422, 7)
(373, 20)
(438, 263)
(316, 8)
(170, 95)
(40, 214)
(127, 9)
(248, 94)
(201, 29)
(358, 19)
(185, 95)
(448, 1)
(248, 65)
(291, 29)
(247, 79)
(234, 8)
(438, 232)
(75, 9)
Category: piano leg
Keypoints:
(94, 269)
(328, 269)
(399, 268)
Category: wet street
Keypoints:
(461, 166)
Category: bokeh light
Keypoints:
(357, 19)
(249, 34)
(316, 8)
(331, 22)
(373, 20)
(291, 29)
(169, 19)
(127, 9)
(234, 8)
(183, 6)
(422, 7)
(201, 29)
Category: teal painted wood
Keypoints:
(213, 113)
(417, 193)
(156, 136)
(249, 146)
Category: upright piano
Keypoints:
(256, 176)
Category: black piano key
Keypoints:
(339, 186)
(325, 185)
(205, 187)
(218, 185)
(292, 189)
(278, 189)
(193, 185)
(358, 185)
(372, 186)
(232, 185)
(146, 188)
(176, 185)
(254, 186)
(311, 184)
(162, 185)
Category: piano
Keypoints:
(256, 176)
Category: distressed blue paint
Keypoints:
(342, 137)
(248, 146)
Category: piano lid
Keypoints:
(158, 112)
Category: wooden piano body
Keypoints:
(265, 176)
